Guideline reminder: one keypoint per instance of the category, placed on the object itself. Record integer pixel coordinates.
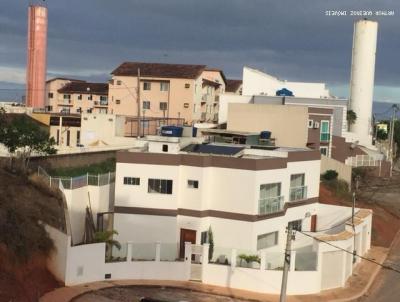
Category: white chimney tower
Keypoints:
(362, 78)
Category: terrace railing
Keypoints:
(270, 205)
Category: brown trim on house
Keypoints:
(212, 213)
(215, 161)
(320, 110)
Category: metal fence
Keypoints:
(363, 161)
(70, 183)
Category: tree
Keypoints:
(211, 243)
(22, 138)
(351, 118)
(107, 237)
(396, 135)
(381, 135)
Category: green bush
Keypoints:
(330, 175)
(249, 258)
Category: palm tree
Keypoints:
(107, 237)
(351, 118)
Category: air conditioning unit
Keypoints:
(316, 125)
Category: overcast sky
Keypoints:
(291, 39)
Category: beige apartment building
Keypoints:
(166, 91)
(75, 96)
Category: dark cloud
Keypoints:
(289, 38)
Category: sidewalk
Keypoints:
(356, 286)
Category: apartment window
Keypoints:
(270, 198)
(117, 102)
(164, 148)
(164, 86)
(67, 96)
(103, 98)
(296, 224)
(90, 97)
(185, 105)
(267, 240)
(297, 189)
(187, 85)
(80, 97)
(133, 181)
(193, 184)
(78, 138)
(310, 123)
(161, 186)
(325, 135)
(50, 95)
(119, 82)
(324, 150)
(146, 86)
(79, 110)
(163, 105)
(146, 105)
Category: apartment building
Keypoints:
(75, 96)
(234, 86)
(176, 188)
(166, 91)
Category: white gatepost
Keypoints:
(233, 258)
(263, 260)
(204, 254)
(292, 261)
(129, 251)
(158, 251)
(188, 259)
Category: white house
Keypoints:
(175, 191)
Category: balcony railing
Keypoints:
(298, 193)
(325, 137)
(270, 205)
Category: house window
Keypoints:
(185, 105)
(324, 150)
(67, 96)
(310, 123)
(193, 184)
(146, 104)
(146, 86)
(325, 135)
(134, 181)
(119, 82)
(297, 189)
(50, 95)
(164, 86)
(271, 200)
(267, 240)
(117, 102)
(187, 85)
(78, 138)
(80, 97)
(163, 105)
(164, 148)
(68, 137)
(296, 224)
(90, 97)
(161, 186)
(204, 237)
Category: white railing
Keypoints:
(69, 183)
(270, 205)
(362, 161)
(298, 193)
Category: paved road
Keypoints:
(386, 287)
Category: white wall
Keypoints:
(256, 82)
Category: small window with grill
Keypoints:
(134, 181)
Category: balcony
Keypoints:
(325, 137)
(101, 103)
(298, 193)
(270, 205)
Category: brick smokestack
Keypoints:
(36, 56)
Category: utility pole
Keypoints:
(286, 265)
(352, 223)
(391, 136)
(138, 103)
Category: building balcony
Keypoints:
(298, 193)
(206, 98)
(270, 205)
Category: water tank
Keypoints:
(173, 131)
(284, 92)
(265, 134)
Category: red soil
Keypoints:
(385, 224)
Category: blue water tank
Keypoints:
(265, 134)
(284, 92)
(173, 131)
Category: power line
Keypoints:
(356, 255)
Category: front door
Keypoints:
(186, 236)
